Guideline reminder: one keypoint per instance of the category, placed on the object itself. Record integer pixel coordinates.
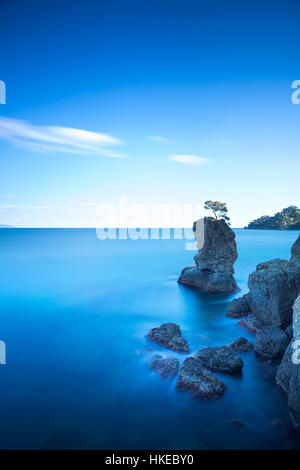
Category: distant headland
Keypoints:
(6, 226)
(287, 219)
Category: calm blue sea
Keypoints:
(74, 312)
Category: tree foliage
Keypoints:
(219, 210)
(287, 219)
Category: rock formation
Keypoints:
(296, 252)
(271, 342)
(288, 374)
(165, 368)
(221, 359)
(169, 336)
(241, 345)
(199, 381)
(273, 288)
(216, 256)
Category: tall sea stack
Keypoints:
(217, 253)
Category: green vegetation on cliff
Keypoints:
(287, 219)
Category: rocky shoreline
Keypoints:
(270, 311)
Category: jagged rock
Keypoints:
(241, 345)
(169, 336)
(165, 368)
(273, 288)
(284, 371)
(199, 381)
(221, 359)
(296, 252)
(294, 395)
(271, 342)
(239, 307)
(251, 324)
(216, 256)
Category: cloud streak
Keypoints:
(189, 159)
(57, 139)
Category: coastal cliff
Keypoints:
(217, 253)
(272, 312)
(287, 219)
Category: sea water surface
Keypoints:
(74, 313)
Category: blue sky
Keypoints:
(180, 101)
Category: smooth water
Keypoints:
(74, 313)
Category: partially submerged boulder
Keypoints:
(165, 368)
(239, 307)
(216, 256)
(241, 345)
(273, 287)
(168, 335)
(197, 380)
(271, 342)
(296, 252)
(220, 359)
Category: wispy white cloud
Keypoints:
(57, 139)
(157, 138)
(189, 159)
(7, 207)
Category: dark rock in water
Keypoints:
(236, 423)
(241, 345)
(169, 336)
(274, 287)
(251, 324)
(239, 307)
(221, 359)
(216, 256)
(271, 342)
(284, 371)
(165, 368)
(296, 252)
(199, 381)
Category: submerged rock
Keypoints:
(221, 359)
(271, 342)
(168, 335)
(296, 252)
(239, 307)
(216, 256)
(165, 368)
(241, 345)
(199, 381)
(273, 287)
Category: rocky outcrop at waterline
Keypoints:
(271, 342)
(296, 252)
(220, 359)
(217, 253)
(288, 374)
(198, 380)
(168, 335)
(273, 288)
